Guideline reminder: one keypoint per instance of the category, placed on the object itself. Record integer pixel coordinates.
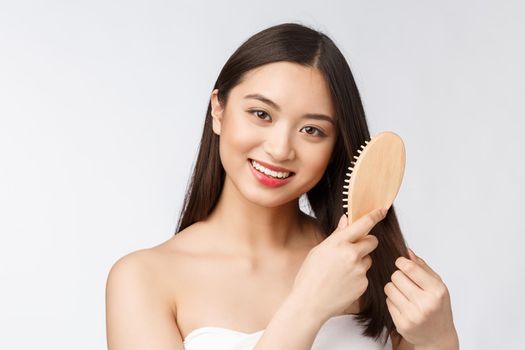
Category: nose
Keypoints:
(278, 144)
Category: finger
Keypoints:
(361, 227)
(406, 286)
(397, 317)
(412, 255)
(367, 260)
(422, 263)
(365, 245)
(425, 279)
(404, 305)
(415, 258)
(343, 221)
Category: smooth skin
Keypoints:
(338, 263)
(247, 265)
(140, 313)
(419, 303)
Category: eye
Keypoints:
(258, 113)
(310, 130)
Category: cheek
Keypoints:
(322, 157)
(314, 166)
(236, 140)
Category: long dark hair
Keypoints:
(297, 43)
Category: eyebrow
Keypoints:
(266, 100)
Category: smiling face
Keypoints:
(281, 116)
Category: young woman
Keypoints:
(247, 268)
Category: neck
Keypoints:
(250, 228)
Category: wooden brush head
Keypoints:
(376, 175)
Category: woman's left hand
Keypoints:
(419, 304)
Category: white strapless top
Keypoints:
(337, 333)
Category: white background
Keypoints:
(102, 105)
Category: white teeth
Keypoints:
(268, 172)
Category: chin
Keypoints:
(268, 200)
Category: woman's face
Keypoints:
(280, 115)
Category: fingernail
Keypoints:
(342, 221)
(384, 211)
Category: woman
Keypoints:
(247, 268)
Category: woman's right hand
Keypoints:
(333, 274)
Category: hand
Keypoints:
(419, 304)
(333, 274)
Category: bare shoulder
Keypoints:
(136, 270)
(154, 270)
(140, 302)
(151, 271)
(138, 312)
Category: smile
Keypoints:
(268, 177)
(270, 173)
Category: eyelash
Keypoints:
(320, 133)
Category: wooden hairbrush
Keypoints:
(375, 176)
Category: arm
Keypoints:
(138, 316)
(400, 343)
(293, 327)
(339, 263)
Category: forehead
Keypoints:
(292, 86)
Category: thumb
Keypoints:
(414, 257)
(411, 254)
(343, 221)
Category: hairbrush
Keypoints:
(375, 176)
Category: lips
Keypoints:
(267, 180)
(273, 167)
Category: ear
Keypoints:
(217, 111)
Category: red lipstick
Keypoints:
(267, 180)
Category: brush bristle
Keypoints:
(349, 175)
